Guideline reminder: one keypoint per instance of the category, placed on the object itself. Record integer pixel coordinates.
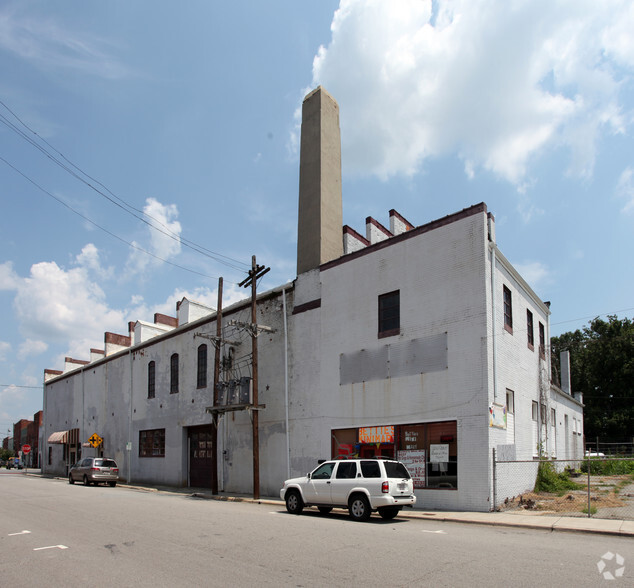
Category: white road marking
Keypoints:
(437, 532)
(50, 547)
(20, 533)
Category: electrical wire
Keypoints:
(92, 222)
(115, 200)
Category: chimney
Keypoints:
(564, 360)
(320, 205)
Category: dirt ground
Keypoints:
(610, 497)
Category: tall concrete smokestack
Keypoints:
(320, 221)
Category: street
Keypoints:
(56, 534)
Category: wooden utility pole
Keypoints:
(256, 271)
(214, 426)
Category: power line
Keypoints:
(134, 246)
(584, 318)
(115, 200)
(17, 386)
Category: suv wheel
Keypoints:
(86, 482)
(70, 479)
(389, 512)
(359, 508)
(294, 504)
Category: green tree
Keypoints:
(602, 360)
(6, 454)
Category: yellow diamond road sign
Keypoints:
(95, 440)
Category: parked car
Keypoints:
(94, 470)
(594, 454)
(360, 485)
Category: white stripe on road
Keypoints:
(50, 547)
(437, 532)
(20, 533)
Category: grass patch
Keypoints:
(593, 510)
(549, 480)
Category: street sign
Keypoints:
(26, 448)
(95, 440)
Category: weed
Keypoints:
(549, 480)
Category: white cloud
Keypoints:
(90, 259)
(496, 83)
(57, 305)
(10, 398)
(164, 237)
(30, 347)
(536, 274)
(50, 45)
(625, 189)
(4, 350)
(9, 280)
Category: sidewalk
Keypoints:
(534, 520)
(504, 519)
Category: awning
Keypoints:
(58, 437)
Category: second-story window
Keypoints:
(151, 379)
(529, 330)
(174, 374)
(201, 378)
(389, 314)
(508, 310)
(542, 341)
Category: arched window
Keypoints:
(201, 379)
(151, 379)
(174, 374)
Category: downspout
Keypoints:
(288, 440)
(83, 415)
(44, 443)
(493, 322)
(129, 444)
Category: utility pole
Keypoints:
(256, 272)
(214, 427)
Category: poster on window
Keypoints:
(416, 464)
(497, 416)
(438, 453)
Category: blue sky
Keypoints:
(186, 116)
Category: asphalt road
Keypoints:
(55, 534)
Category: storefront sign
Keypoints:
(414, 461)
(376, 434)
(438, 453)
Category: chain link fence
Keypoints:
(597, 487)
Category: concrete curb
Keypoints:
(613, 527)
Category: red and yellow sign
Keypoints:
(376, 434)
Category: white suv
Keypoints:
(360, 485)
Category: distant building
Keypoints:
(26, 432)
(416, 342)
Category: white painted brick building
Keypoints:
(421, 343)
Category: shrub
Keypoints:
(608, 467)
(549, 480)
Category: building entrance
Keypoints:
(200, 452)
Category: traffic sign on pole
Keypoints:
(26, 449)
